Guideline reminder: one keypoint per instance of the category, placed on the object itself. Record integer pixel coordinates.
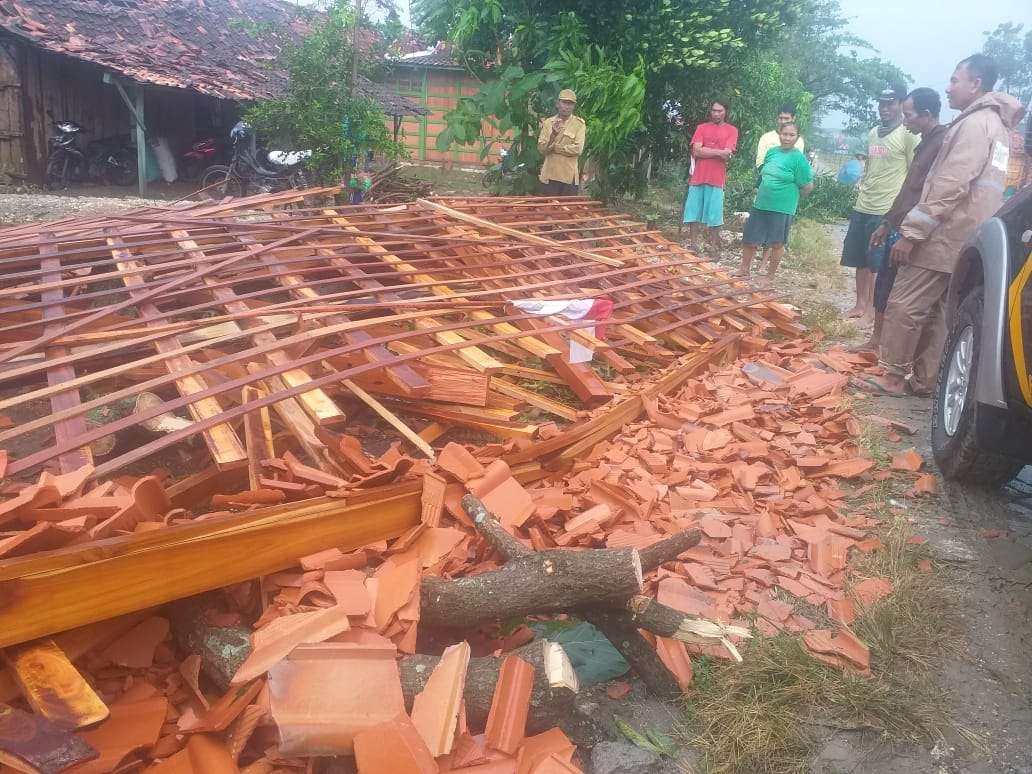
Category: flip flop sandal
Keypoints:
(911, 390)
(872, 387)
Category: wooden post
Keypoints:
(141, 139)
(137, 125)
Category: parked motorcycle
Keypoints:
(66, 161)
(505, 169)
(202, 154)
(110, 160)
(245, 174)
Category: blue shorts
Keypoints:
(856, 250)
(705, 204)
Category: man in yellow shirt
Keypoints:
(561, 142)
(772, 139)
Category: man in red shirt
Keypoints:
(713, 144)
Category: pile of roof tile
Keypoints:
(752, 454)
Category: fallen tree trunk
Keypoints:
(551, 698)
(536, 582)
(602, 586)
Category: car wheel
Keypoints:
(954, 418)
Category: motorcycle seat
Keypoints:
(288, 158)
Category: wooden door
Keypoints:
(12, 156)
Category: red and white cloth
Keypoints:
(598, 309)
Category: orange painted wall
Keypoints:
(439, 91)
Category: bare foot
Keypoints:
(867, 318)
(856, 311)
(742, 273)
(868, 346)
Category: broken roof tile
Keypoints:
(349, 590)
(674, 656)
(871, 590)
(510, 705)
(435, 709)
(502, 495)
(323, 694)
(907, 460)
(276, 640)
(455, 459)
(393, 747)
(131, 726)
(135, 649)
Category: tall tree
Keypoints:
(839, 69)
(1011, 46)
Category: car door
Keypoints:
(1019, 303)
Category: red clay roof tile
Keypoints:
(510, 705)
(322, 695)
(394, 747)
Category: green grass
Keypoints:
(768, 714)
(812, 250)
(447, 182)
(826, 319)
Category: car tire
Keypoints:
(957, 453)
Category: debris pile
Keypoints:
(373, 558)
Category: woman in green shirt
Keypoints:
(784, 176)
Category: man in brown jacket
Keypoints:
(964, 188)
(561, 142)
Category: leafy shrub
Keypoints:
(830, 200)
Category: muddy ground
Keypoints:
(982, 542)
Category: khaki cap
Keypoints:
(567, 95)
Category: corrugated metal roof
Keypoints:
(441, 56)
(223, 48)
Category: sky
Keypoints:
(926, 38)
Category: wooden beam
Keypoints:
(44, 594)
(521, 236)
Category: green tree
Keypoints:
(1011, 46)
(319, 108)
(835, 66)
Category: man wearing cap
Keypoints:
(890, 150)
(561, 142)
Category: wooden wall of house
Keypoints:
(74, 90)
(71, 90)
(12, 156)
(439, 91)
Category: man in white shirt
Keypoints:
(772, 139)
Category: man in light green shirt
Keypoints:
(772, 139)
(890, 149)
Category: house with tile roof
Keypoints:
(437, 79)
(182, 66)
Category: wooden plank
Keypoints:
(534, 399)
(520, 235)
(473, 355)
(390, 418)
(317, 403)
(41, 595)
(222, 440)
(61, 374)
(53, 686)
(30, 346)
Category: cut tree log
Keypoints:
(552, 697)
(596, 585)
